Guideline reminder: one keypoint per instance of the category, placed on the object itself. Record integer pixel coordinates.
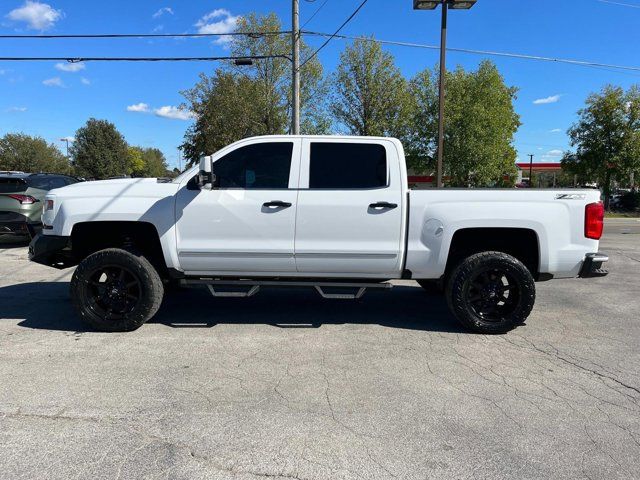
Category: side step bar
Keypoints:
(217, 287)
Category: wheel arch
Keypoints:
(521, 243)
(134, 236)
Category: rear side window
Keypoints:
(12, 185)
(48, 182)
(347, 166)
(257, 166)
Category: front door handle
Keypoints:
(383, 205)
(276, 204)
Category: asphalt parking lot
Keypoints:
(286, 385)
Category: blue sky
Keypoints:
(49, 100)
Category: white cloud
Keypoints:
(552, 155)
(555, 130)
(544, 101)
(72, 67)
(17, 109)
(138, 107)
(53, 82)
(174, 113)
(226, 23)
(162, 11)
(85, 81)
(37, 16)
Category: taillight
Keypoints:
(48, 205)
(593, 220)
(23, 199)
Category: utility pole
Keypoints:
(441, 87)
(295, 55)
(530, 170)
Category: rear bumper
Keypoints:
(592, 265)
(12, 223)
(52, 251)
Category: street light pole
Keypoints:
(295, 56)
(446, 5)
(530, 170)
(441, 90)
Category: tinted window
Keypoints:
(347, 165)
(12, 185)
(49, 182)
(262, 165)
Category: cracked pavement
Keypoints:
(286, 385)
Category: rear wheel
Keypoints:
(114, 290)
(491, 292)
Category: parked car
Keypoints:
(332, 213)
(21, 197)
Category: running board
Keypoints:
(216, 287)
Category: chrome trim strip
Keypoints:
(235, 254)
(288, 255)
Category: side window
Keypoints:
(261, 165)
(347, 166)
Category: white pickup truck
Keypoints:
(333, 213)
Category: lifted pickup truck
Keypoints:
(332, 213)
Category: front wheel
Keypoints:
(116, 291)
(491, 292)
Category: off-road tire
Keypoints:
(460, 291)
(149, 290)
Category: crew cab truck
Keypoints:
(328, 212)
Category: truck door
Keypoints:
(246, 222)
(350, 208)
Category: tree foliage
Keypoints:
(240, 101)
(480, 122)
(31, 154)
(99, 150)
(135, 162)
(155, 162)
(606, 137)
(146, 162)
(371, 97)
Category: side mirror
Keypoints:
(206, 178)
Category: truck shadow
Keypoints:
(46, 305)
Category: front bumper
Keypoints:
(52, 251)
(592, 265)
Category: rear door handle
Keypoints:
(276, 204)
(383, 205)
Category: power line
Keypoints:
(355, 12)
(145, 35)
(314, 13)
(632, 5)
(137, 59)
(584, 63)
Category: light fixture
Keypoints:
(453, 4)
(425, 4)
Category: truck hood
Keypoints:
(120, 187)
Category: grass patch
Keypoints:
(622, 215)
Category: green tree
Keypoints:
(136, 165)
(606, 137)
(480, 123)
(371, 96)
(99, 150)
(31, 154)
(240, 101)
(155, 162)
